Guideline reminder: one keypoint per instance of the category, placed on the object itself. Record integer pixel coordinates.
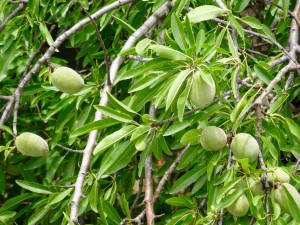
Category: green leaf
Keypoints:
(111, 212)
(175, 87)
(144, 68)
(277, 104)
(57, 197)
(252, 22)
(270, 147)
(125, 25)
(178, 32)
(207, 77)
(267, 31)
(94, 197)
(192, 137)
(231, 46)
(242, 105)
(96, 125)
(190, 32)
(116, 158)
(111, 139)
(200, 40)
(119, 105)
(14, 202)
(146, 152)
(122, 117)
(293, 127)
(142, 45)
(285, 8)
(227, 187)
(177, 126)
(46, 34)
(182, 200)
(145, 81)
(205, 12)
(163, 144)
(38, 215)
(188, 178)
(127, 51)
(229, 199)
(34, 187)
(168, 53)
(237, 25)
(182, 100)
(139, 131)
(240, 5)
(292, 205)
(125, 206)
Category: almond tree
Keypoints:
(189, 112)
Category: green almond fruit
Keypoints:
(213, 138)
(278, 175)
(201, 93)
(243, 146)
(256, 186)
(281, 199)
(31, 144)
(240, 206)
(67, 80)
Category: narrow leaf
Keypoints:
(96, 125)
(168, 53)
(178, 32)
(113, 138)
(34, 187)
(188, 178)
(181, 102)
(119, 105)
(122, 117)
(174, 89)
(205, 12)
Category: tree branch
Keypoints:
(69, 149)
(12, 15)
(150, 215)
(51, 51)
(162, 182)
(161, 12)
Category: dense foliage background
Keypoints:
(135, 157)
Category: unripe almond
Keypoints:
(256, 186)
(201, 93)
(67, 80)
(240, 206)
(31, 144)
(281, 199)
(278, 175)
(213, 138)
(243, 146)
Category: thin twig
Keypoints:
(106, 57)
(5, 97)
(202, 203)
(137, 197)
(12, 15)
(162, 182)
(138, 58)
(296, 166)
(150, 215)
(69, 149)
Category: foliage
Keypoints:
(145, 122)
